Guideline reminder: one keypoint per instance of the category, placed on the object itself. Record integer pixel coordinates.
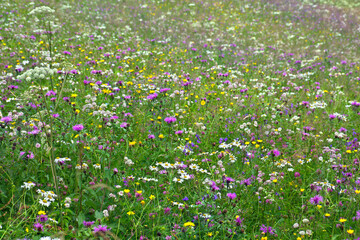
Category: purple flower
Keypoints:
(38, 227)
(342, 129)
(124, 124)
(229, 179)
(316, 200)
(115, 171)
(152, 96)
(78, 127)
(67, 53)
(231, 195)
(102, 229)
(167, 210)
(266, 229)
(6, 119)
(164, 90)
(179, 132)
(332, 116)
(239, 221)
(213, 186)
(151, 136)
(50, 93)
(274, 153)
(88, 224)
(297, 174)
(170, 119)
(185, 199)
(43, 218)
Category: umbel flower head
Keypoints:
(37, 73)
(41, 11)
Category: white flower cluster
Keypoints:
(320, 104)
(128, 161)
(67, 202)
(49, 238)
(28, 185)
(48, 197)
(41, 10)
(37, 73)
(340, 116)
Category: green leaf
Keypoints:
(80, 218)
(99, 215)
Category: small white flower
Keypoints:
(305, 220)
(44, 202)
(296, 225)
(106, 213)
(28, 185)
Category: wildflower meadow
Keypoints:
(169, 119)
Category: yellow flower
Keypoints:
(357, 191)
(203, 102)
(189, 224)
(126, 191)
(161, 136)
(41, 213)
(132, 143)
(275, 180)
(350, 231)
(264, 238)
(210, 234)
(319, 206)
(152, 197)
(342, 220)
(74, 95)
(327, 214)
(130, 213)
(142, 202)
(27, 230)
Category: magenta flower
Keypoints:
(38, 227)
(316, 200)
(164, 90)
(167, 210)
(6, 119)
(213, 186)
(239, 221)
(231, 195)
(102, 229)
(43, 218)
(170, 120)
(124, 124)
(332, 116)
(274, 153)
(78, 127)
(267, 229)
(88, 224)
